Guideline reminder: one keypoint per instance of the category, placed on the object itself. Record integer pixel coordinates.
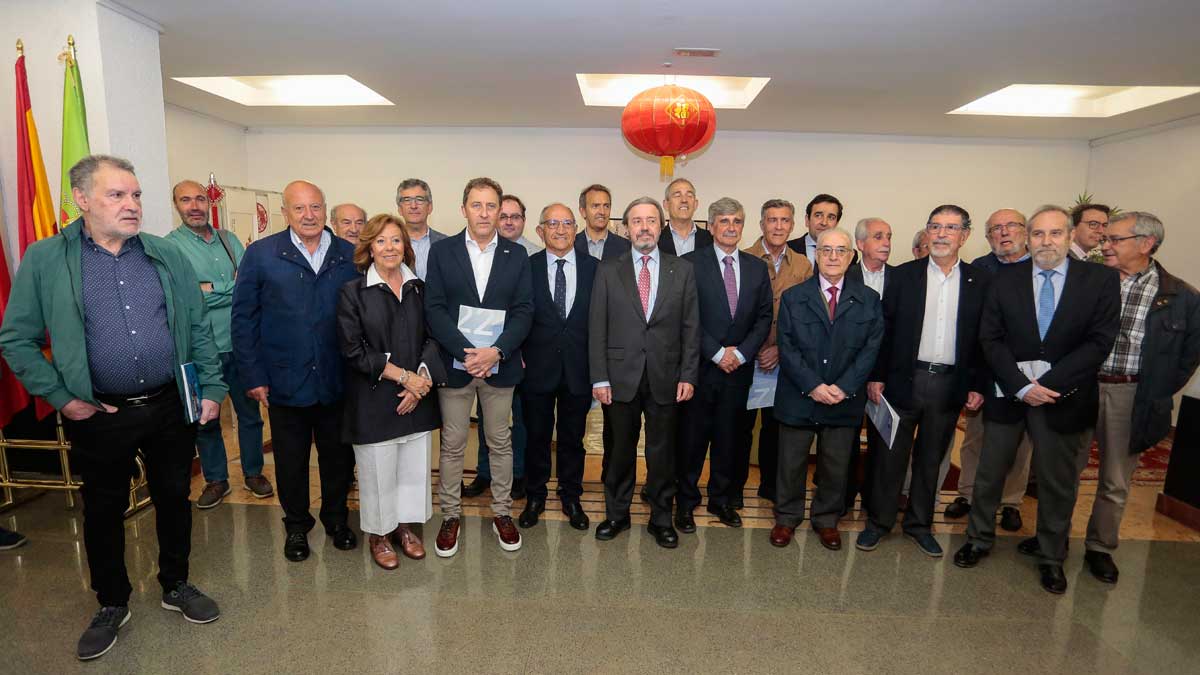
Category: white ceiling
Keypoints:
(861, 66)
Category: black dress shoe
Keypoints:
(645, 496)
(296, 547)
(737, 503)
(476, 487)
(969, 556)
(1010, 519)
(529, 515)
(1029, 547)
(579, 519)
(727, 515)
(1101, 566)
(685, 522)
(611, 528)
(958, 508)
(1053, 579)
(665, 537)
(344, 539)
(518, 488)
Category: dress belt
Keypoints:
(1117, 379)
(935, 368)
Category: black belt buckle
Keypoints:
(935, 368)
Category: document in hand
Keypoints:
(481, 327)
(1031, 369)
(191, 392)
(762, 389)
(885, 418)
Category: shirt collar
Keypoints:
(933, 267)
(569, 257)
(1002, 261)
(424, 237)
(192, 232)
(471, 242)
(326, 239)
(721, 255)
(691, 233)
(637, 255)
(825, 284)
(128, 244)
(1061, 269)
(374, 278)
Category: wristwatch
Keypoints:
(403, 376)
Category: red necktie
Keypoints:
(644, 284)
(833, 291)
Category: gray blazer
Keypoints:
(621, 345)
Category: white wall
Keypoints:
(198, 145)
(898, 178)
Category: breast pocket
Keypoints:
(1172, 333)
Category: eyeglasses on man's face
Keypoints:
(1105, 239)
(418, 200)
(1094, 224)
(952, 228)
(511, 217)
(830, 251)
(1005, 226)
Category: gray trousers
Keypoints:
(791, 479)
(1057, 459)
(456, 407)
(1116, 466)
(1018, 476)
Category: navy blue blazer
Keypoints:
(814, 351)
(614, 245)
(666, 242)
(556, 349)
(747, 329)
(450, 284)
(284, 320)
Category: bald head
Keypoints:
(1007, 234)
(304, 211)
(191, 202)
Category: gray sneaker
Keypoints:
(259, 486)
(214, 492)
(189, 601)
(101, 634)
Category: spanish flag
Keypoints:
(35, 211)
(74, 133)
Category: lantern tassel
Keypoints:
(666, 166)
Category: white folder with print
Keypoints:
(885, 418)
(482, 327)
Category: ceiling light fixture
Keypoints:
(619, 89)
(1069, 100)
(288, 90)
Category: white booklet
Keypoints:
(885, 418)
(762, 389)
(481, 327)
(1031, 369)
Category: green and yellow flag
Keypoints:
(74, 133)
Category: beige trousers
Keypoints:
(1116, 466)
(456, 405)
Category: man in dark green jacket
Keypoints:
(127, 325)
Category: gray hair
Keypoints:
(917, 238)
(81, 174)
(410, 183)
(776, 204)
(1145, 224)
(832, 231)
(333, 211)
(1052, 208)
(542, 215)
(667, 191)
(725, 206)
(638, 202)
(860, 230)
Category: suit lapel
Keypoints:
(584, 275)
(500, 260)
(921, 293)
(816, 303)
(966, 299)
(1072, 292)
(1026, 304)
(464, 261)
(666, 277)
(627, 273)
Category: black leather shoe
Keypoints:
(609, 529)
(529, 516)
(579, 519)
(1030, 547)
(476, 487)
(1101, 566)
(958, 508)
(1053, 579)
(737, 503)
(665, 537)
(969, 556)
(344, 539)
(685, 522)
(645, 496)
(518, 488)
(296, 547)
(1010, 519)
(727, 515)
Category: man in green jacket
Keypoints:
(215, 256)
(127, 325)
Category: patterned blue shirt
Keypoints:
(129, 345)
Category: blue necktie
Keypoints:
(1045, 312)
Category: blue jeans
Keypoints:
(213, 460)
(483, 467)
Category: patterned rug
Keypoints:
(1151, 468)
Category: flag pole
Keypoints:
(20, 48)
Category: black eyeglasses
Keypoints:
(1104, 239)
(414, 200)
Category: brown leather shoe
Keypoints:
(383, 553)
(506, 533)
(409, 542)
(446, 543)
(781, 535)
(830, 537)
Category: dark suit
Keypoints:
(1080, 336)
(713, 414)
(928, 402)
(814, 350)
(800, 245)
(666, 243)
(614, 245)
(644, 362)
(556, 376)
(859, 477)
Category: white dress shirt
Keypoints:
(776, 260)
(317, 258)
(481, 261)
(569, 271)
(685, 244)
(939, 329)
(737, 282)
(874, 280)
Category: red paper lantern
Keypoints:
(668, 121)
